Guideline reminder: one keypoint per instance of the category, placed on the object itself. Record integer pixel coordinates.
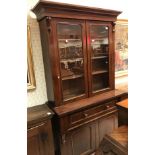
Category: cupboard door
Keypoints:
(72, 56)
(40, 140)
(81, 141)
(100, 56)
(107, 125)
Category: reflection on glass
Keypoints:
(71, 60)
(99, 35)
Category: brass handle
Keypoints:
(85, 115)
(58, 77)
(107, 106)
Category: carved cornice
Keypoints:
(63, 10)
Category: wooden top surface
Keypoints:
(65, 10)
(119, 136)
(88, 102)
(38, 114)
(123, 103)
(73, 7)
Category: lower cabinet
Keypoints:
(40, 140)
(85, 140)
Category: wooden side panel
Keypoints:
(46, 51)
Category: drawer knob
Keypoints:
(106, 62)
(107, 106)
(85, 115)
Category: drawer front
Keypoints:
(90, 114)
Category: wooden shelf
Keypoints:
(68, 60)
(93, 43)
(72, 77)
(99, 57)
(70, 39)
(99, 72)
(95, 38)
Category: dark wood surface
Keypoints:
(88, 102)
(116, 143)
(80, 141)
(83, 117)
(39, 134)
(86, 139)
(38, 114)
(49, 14)
(40, 139)
(67, 125)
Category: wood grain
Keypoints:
(63, 10)
(88, 102)
(38, 114)
(116, 143)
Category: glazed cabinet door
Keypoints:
(100, 56)
(81, 141)
(40, 140)
(71, 47)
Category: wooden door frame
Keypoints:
(111, 55)
(57, 57)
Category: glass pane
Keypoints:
(99, 35)
(71, 60)
(100, 81)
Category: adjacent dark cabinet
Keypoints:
(78, 54)
(40, 139)
(39, 133)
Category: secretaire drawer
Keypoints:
(88, 114)
(77, 119)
